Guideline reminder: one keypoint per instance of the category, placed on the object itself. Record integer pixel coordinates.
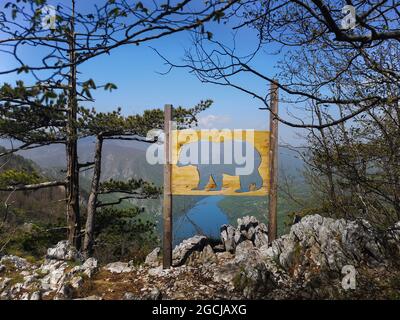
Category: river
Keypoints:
(204, 218)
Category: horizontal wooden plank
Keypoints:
(185, 179)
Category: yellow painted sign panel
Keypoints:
(220, 162)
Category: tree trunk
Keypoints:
(72, 186)
(92, 202)
(273, 165)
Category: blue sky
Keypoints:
(135, 70)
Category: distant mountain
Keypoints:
(27, 206)
(14, 161)
(121, 159)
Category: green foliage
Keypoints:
(120, 234)
(154, 118)
(106, 124)
(115, 124)
(30, 221)
(110, 87)
(14, 177)
(16, 170)
(132, 186)
(31, 114)
(188, 117)
(29, 239)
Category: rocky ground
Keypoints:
(307, 263)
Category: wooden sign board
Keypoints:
(186, 180)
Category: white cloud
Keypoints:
(212, 121)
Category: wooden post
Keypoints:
(273, 165)
(167, 202)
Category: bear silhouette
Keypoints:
(214, 159)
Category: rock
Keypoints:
(89, 267)
(24, 296)
(207, 256)
(182, 251)
(4, 283)
(249, 271)
(393, 240)
(246, 228)
(16, 289)
(260, 235)
(154, 294)
(232, 270)
(226, 273)
(17, 262)
(394, 232)
(129, 296)
(5, 295)
(219, 248)
(157, 271)
(54, 277)
(65, 292)
(50, 265)
(317, 248)
(253, 281)
(94, 297)
(90, 263)
(362, 241)
(243, 250)
(306, 263)
(303, 262)
(224, 255)
(250, 229)
(152, 259)
(37, 295)
(63, 251)
(228, 237)
(265, 251)
(238, 238)
(118, 267)
(76, 282)
(28, 280)
(2, 268)
(131, 264)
